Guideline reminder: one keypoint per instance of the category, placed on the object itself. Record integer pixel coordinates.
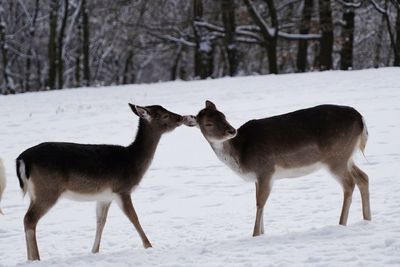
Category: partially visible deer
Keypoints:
(2, 180)
(101, 173)
(290, 145)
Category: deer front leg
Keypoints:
(263, 189)
(101, 214)
(126, 206)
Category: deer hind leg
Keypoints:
(37, 209)
(101, 214)
(126, 206)
(263, 189)
(362, 182)
(346, 180)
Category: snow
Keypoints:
(194, 209)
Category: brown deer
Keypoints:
(100, 173)
(290, 145)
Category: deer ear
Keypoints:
(142, 112)
(210, 105)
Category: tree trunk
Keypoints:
(272, 56)
(60, 44)
(326, 42)
(272, 59)
(176, 65)
(270, 41)
(85, 44)
(52, 46)
(305, 26)
(397, 45)
(228, 19)
(28, 63)
(346, 53)
(378, 41)
(203, 66)
(128, 69)
(9, 87)
(78, 54)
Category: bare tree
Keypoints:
(305, 26)
(60, 44)
(32, 30)
(269, 34)
(52, 45)
(203, 66)
(85, 43)
(9, 87)
(326, 42)
(394, 40)
(346, 52)
(228, 19)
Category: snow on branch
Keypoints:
(250, 34)
(248, 40)
(259, 20)
(172, 39)
(350, 4)
(378, 8)
(296, 36)
(209, 26)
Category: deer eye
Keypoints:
(166, 116)
(209, 125)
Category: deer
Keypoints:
(288, 146)
(89, 172)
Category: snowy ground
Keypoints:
(194, 209)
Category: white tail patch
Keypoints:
(2, 181)
(22, 174)
(363, 138)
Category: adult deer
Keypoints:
(101, 173)
(290, 145)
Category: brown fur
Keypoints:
(290, 144)
(101, 173)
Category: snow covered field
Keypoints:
(195, 211)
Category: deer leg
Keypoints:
(348, 188)
(126, 206)
(101, 214)
(262, 217)
(263, 189)
(346, 180)
(362, 182)
(37, 209)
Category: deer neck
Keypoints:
(228, 154)
(144, 146)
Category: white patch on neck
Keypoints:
(281, 172)
(226, 157)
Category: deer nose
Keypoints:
(231, 131)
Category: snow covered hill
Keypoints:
(194, 210)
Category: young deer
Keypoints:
(101, 173)
(290, 145)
